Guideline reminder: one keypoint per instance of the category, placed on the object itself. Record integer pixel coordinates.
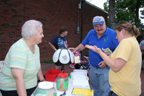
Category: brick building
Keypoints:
(52, 13)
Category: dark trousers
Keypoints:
(112, 94)
(14, 92)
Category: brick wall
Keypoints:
(52, 13)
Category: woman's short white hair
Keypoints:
(30, 28)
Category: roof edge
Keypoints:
(96, 6)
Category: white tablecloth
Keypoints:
(70, 89)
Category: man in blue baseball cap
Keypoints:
(102, 37)
(98, 20)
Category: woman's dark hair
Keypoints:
(128, 27)
(63, 29)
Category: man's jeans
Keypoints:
(99, 81)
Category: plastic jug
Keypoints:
(62, 81)
(45, 88)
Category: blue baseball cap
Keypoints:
(98, 20)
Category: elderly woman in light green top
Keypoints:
(22, 62)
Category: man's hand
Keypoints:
(72, 49)
(102, 64)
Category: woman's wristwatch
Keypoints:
(42, 80)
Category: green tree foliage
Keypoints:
(126, 10)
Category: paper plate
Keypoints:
(64, 57)
(71, 56)
(56, 55)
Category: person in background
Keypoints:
(124, 62)
(22, 62)
(142, 46)
(103, 37)
(142, 50)
(59, 41)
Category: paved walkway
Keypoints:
(68, 69)
(47, 67)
